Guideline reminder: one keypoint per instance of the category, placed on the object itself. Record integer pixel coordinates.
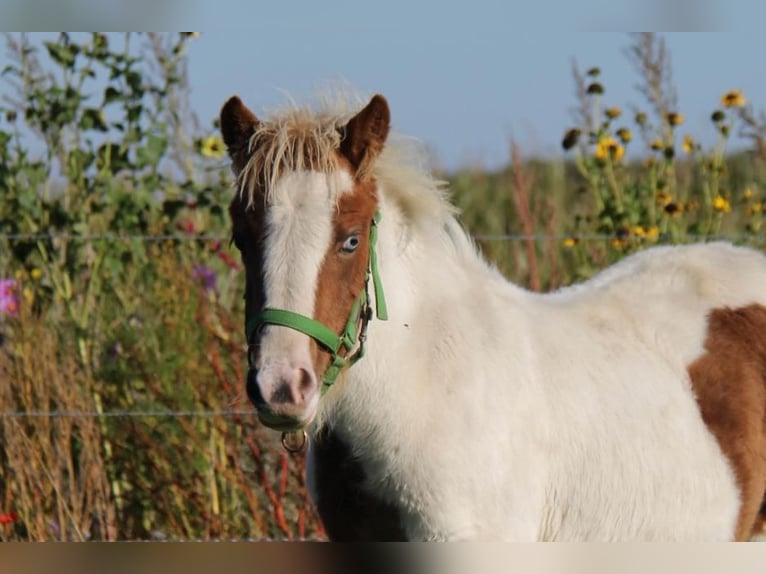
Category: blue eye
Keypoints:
(350, 244)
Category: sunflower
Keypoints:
(625, 135)
(608, 147)
(569, 242)
(733, 99)
(674, 119)
(212, 146)
(721, 204)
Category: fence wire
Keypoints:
(740, 236)
(123, 414)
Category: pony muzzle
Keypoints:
(285, 398)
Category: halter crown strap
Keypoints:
(356, 325)
(380, 299)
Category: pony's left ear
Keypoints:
(237, 125)
(365, 135)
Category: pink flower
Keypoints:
(9, 301)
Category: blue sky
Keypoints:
(463, 84)
(466, 92)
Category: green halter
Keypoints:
(356, 326)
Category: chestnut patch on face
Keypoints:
(729, 381)
(342, 276)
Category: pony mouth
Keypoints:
(283, 423)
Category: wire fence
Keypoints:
(124, 414)
(734, 237)
(740, 236)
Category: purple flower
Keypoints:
(9, 301)
(206, 276)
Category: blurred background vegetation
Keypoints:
(121, 346)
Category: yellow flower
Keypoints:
(35, 274)
(747, 193)
(721, 204)
(613, 113)
(608, 147)
(569, 242)
(212, 146)
(657, 145)
(757, 207)
(688, 145)
(652, 233)
(619, 242)
(639, 231)
(673, 209)
(662, 197)
(674, 119)
(733, 99)
(625, 135)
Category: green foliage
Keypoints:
(97, 148)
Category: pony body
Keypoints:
(484, 411)
(568, 416)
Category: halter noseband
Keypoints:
(354, 332)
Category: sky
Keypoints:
(466, 94)
(463, 84)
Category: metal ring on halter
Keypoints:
(290, 446)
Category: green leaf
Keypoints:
(134, 81)
(134, 113)
(93, 119)
(152, 152)
(63, 55)
(111, 94)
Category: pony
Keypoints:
(444, 402)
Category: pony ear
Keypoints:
(365, 134)
(237, 124)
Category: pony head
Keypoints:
(304, 220)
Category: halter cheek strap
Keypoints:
(355, 330)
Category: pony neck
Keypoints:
(436, 287)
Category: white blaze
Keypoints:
(299, 230)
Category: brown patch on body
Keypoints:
(348, 511)
(729, 381)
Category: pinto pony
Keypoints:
(444, 402)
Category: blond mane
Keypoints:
(295, 138)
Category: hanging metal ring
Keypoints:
(294, 441)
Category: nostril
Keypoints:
(306, 381)
(283, 394)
